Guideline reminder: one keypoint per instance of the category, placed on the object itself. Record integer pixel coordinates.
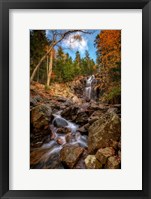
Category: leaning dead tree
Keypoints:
(57, 37)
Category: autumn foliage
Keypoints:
(108, 45)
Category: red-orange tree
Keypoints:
(108, 44)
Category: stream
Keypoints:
(51, 151)
(48, 155)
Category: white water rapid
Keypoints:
(88, 89)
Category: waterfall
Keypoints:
(50, 151)
(88, 88)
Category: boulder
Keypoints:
(92, 163)
(103, 154)
(113, 162)
(70, 155)
(82, 118)
(60, 122)
(101, 132)
(81, 163)
(41, 116)
(70, 112)
(40, 119)
(95, 116)
(70, 138)
(60, 141)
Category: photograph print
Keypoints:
(75, 99)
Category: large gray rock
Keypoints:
(101, 132)
(60, 122)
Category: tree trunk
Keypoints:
(40, 62)
(50, 68)
(52, 46)
(47, 66)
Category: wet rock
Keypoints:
(95, 116)
(103, 154)
(86, 126)
(60, 122)
(77, 135)
(69, 138)
(60, 141)
(83, 130)
(70, 155)
(36, 157)
(47, 139)
(40, 119)
(113, 162)
(40, 116)
(107, 128)
(81, 118)
(70, 113)
(46, 158)
(81, 163)
(78, 87)
(63, 130)
(92, 163)
(53, 136)
(83, 141)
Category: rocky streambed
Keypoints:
(69, 134)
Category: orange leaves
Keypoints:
(110, 45)
(109, 54)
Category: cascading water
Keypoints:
(88, 89)
(51, 150)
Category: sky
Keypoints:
(70, 45)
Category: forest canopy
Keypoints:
(50, 62)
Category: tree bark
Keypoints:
(47, 66)
(40, 62)
(50, 68)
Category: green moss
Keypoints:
(114, 96)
